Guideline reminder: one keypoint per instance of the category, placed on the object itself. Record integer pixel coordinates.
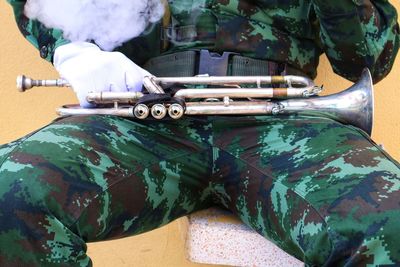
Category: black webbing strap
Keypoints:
(181, 64)
(188, 63)
(245, 66)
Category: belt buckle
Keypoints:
(214, 64)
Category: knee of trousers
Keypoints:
(43, 175)
(340, 235)
(363, 235)
(34, 190)
(327, 227)
(360, 221)
(23, 197)
(354, 229)
(27, 184)
(31, 231)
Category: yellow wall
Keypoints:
(22, 113)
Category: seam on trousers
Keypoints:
(289, 189)
(123, 179)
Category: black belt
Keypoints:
(191, 63)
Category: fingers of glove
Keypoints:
(134, 81)
(113, 71)
(94, 70)
(82, 98)
(134, 77)
(81, 92)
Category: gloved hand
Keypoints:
(89, 69)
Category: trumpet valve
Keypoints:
(175, 111)
(158, 111)
(141, 111)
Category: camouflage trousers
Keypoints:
(322, 191)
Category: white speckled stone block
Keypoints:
(214, 236)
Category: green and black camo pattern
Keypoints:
(354, 34)
(322, 191)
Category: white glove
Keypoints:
(89, 69)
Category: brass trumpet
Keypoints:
(353, 106)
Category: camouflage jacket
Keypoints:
(353, 33)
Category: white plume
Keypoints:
(109, 23)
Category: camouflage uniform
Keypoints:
(321, 190)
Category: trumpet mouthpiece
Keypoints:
(23, 83)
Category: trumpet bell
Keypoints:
(354, 105)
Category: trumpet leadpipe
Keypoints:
(112, 97)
